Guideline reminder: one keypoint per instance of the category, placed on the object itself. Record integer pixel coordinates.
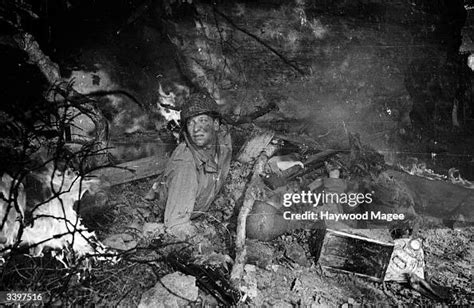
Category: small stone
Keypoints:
(153, 229)
(259, 254)
(250, 268)
(121, 241)
(173, 290)
(297, 253)
(274, 267)
(249, 279)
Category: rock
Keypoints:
(215, 259)
(173, 290)
(259, 253)
(153, 229)
(144, 212)
(249, 281)
(296, 252)
(121, 241)
(254, 146)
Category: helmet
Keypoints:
(197, 104)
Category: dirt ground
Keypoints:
(281, 272)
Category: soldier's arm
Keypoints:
(182, 190)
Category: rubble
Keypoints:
(122, 241)
(249, 282)
(173, 290)
(296, 253)
(153, 229)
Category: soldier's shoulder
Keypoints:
(182, 153)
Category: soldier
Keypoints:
(197, 167)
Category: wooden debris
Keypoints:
(318, 157)
(249, 118)
(254, 192)
(132, 171)
(301, 141)
(254, 146)
(274, 181)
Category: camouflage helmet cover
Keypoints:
(197, 104)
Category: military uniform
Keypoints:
(193, 178)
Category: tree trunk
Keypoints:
(50, 70)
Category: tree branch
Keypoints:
(279, 55)
(252, 194)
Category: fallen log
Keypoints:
(132, 171)
(437, 198)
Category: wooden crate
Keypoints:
(351, 253)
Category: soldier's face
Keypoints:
(202, 129)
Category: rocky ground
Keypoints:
(281, 272)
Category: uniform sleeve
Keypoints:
(182, 191)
